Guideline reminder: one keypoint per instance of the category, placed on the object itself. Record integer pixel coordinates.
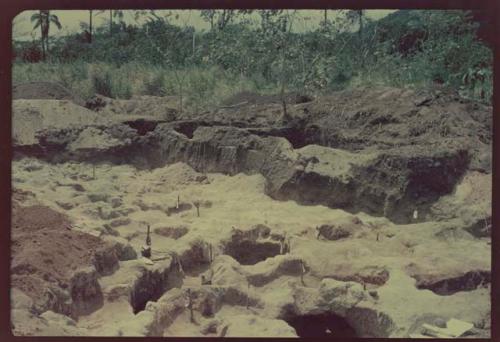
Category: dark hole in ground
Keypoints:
(36, 151)
(467, 282)
(195, 259)
(296, 137)
(302, 98)
(142, 126)
(186, 128)
(322, 325)
(175, 210)
(249, 252)
(151, 287)
(147, 288)
(172, 232)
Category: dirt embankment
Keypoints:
(54, 264)
(405, 148)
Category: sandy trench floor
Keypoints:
(128, 200)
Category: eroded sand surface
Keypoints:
(266, 263)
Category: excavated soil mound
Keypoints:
(381, 118)
(249, 98)
(45, 251)
(165, 108)
(44, 90)
(348, 150)
(30, 117)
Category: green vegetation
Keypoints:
(43, 19)
(410, 48)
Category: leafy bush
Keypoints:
(30, 53)
(408, 48)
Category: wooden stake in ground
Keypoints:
(210, 253)
(178, 200)
(288, 248)
(93, 171)
(224, 331)
(302, 273)
(248, 297)
(197, 205)
(146, 250)
(190, 306)
(148, 236)
(176, 261)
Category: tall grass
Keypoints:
(201, 87)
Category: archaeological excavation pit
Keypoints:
(248, 252)
(172, 232)
(469, 281)
(149, 287)
(253, 246)
(325, 325)
(355, 210)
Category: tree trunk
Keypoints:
(284, 48)
(90, 26)
(110, 22)
(194, 42)
(241, 80)
(326, 18)
(47, 36)
(282, 93)
(360, 32)
(42, 40)
(180, 97)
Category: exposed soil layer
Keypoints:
(348, 144)
(47, 255)
(249, 98)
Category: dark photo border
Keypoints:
(10, 8)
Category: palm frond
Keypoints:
(54, 19)
(118, 14)
(35, 16)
